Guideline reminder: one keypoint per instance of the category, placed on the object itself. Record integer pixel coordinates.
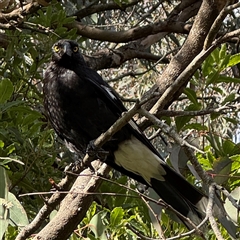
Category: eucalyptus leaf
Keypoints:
(97, 226)
(18, 216)
(234, 60)
(222, 169)
(116, 216)
(232, 211)
(4, 210)
(6, 90)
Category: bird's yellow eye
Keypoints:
(56, 48)
(75, 49)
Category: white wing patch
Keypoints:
(135, 157)
(109, 92)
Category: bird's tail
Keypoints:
(189, 201)
(182, 196)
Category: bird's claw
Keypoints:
(73, 167)
(95, 152)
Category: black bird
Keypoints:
(81, 106)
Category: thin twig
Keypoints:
(209, 212)
(168, 130)
(134, 74)
(181, 79)
(215, 27)
(160, 232)
(174, 113)
(190, 232)
(140, 235)
(228, 195)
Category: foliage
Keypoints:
(30, 153)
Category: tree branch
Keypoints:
(19, 12)
(128, 35)
(209, 212)
(97, 8)
(75, 205)
(193, 45)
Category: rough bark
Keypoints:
(75, 205)
(193, 45)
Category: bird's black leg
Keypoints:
(95, 152)
(75, 165)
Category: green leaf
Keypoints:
(218, 89)
(234, 60)
(215, 115)
(10, 49)
(222, 167)
(222, 52)
(225, 79)
(6, 90)
(191, 94)
(181, 122)
(216, 143)
(48, 15)
(29, 119)
(236, 149)
(97, 226)
(228, 147)
(18, 216)
(212, 78)
(235, 162)
(228, 98)
(5, 106)
(68, 20)
(118, 2)
(231, 210)
(91, 212)
(215, 55)
(3, 183)
(211, 159)
(4, 211)
(232, 120)
(116, 216)
(139, 225)
(8, 160)
(3, 220)
(206, 66)
(197, 126)
(223, 63)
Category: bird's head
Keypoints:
(66, 54)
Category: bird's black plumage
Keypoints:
(81, 106)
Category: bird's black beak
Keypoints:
(67, 49)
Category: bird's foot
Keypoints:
(73, 167)
(95, 152)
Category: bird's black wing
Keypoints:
(113, 102)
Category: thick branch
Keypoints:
(128, 35)
(97, 8)
(75, 205)
(106, 58)
(207, 14)
(19, 12)
(44, 212)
